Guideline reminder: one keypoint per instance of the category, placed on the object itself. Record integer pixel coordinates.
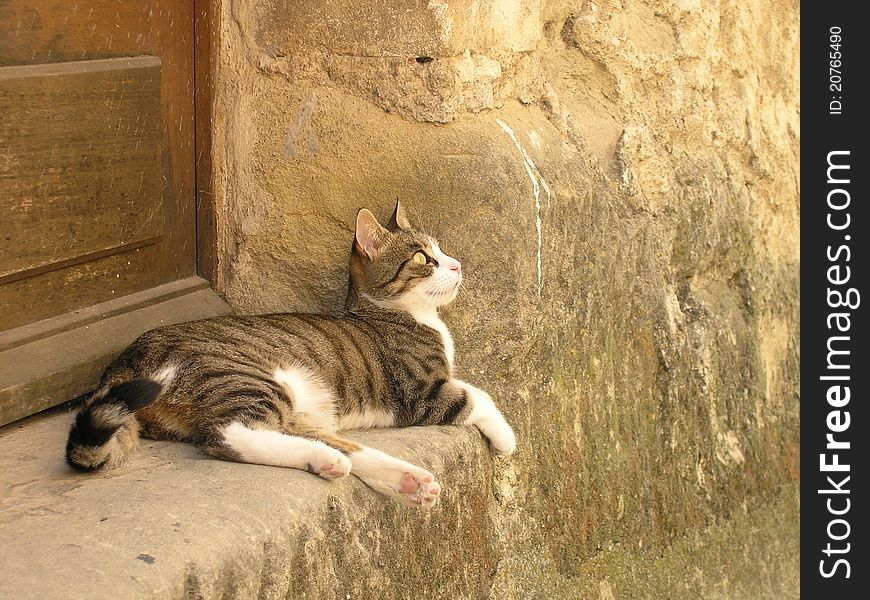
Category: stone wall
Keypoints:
(620, 180)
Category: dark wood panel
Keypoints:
(80, 160)
(77, 286)
(48, 31)
(43, 31)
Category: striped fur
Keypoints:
(276, 389)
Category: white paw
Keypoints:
(418, 488)
(502, 439)
(329, 463)
(398, 479)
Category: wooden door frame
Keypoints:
(206, 28)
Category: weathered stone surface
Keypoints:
(620, 182)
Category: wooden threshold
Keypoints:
(55, 360)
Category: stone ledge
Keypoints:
(174, 523)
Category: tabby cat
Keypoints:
(276, 389)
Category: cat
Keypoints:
(277, 389)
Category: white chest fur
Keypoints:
(431, 319)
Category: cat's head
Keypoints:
(398, 266)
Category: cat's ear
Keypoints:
(399, 219)
(370, 235)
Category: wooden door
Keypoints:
(97, 188)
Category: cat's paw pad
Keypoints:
(503, 441)
(329, 464)
(419, 489)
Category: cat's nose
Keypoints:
(455, 266)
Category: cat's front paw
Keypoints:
(503, 440)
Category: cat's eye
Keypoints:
(419, 258)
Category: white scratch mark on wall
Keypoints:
(537, 183)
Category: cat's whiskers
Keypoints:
(429, 298)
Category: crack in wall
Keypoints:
(537, 183)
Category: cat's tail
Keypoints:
(105, 431)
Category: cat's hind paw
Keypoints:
(404, 482)
(422, 490)
(330, 464)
